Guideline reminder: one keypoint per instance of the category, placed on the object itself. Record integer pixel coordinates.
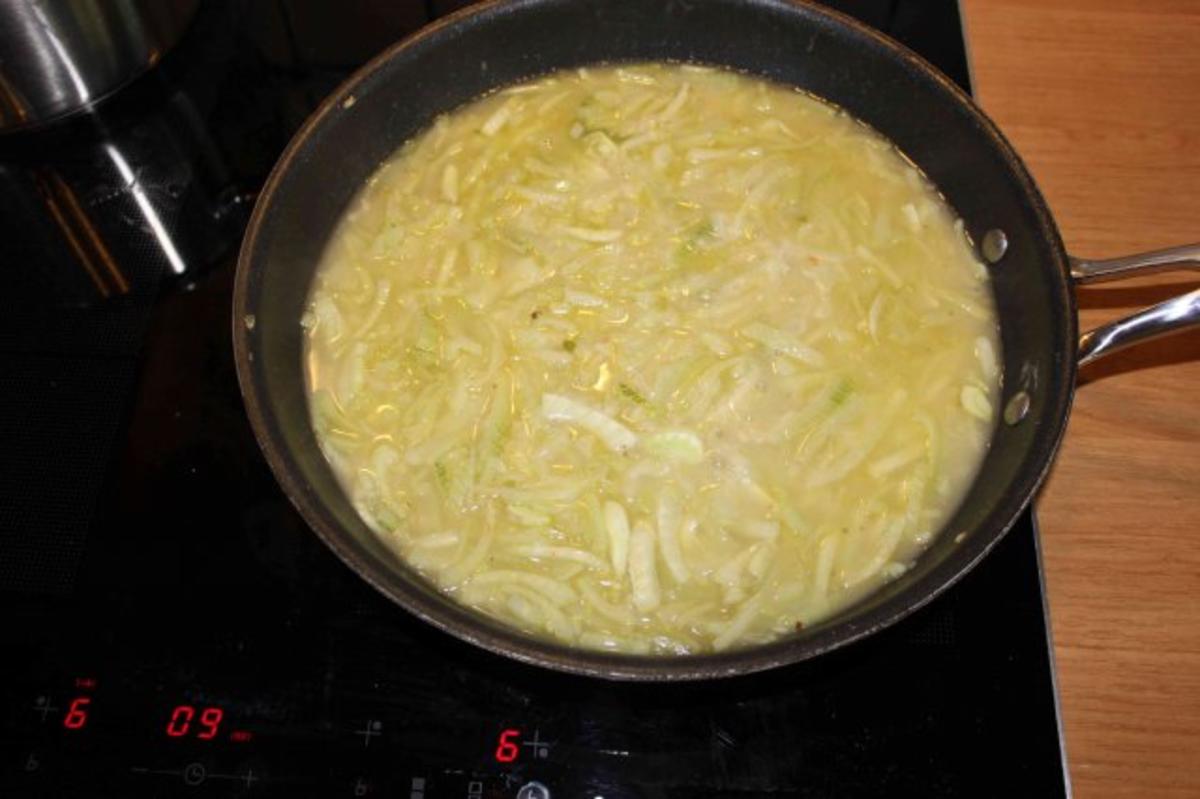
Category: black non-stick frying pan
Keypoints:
(935, 124)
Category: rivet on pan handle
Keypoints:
(1172, 316)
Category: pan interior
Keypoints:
(930, 121)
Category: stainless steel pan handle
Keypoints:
(1180, 313)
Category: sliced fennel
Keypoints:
(652, 358)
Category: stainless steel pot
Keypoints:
(59, 56)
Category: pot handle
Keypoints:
(1180, 313)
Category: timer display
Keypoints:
(204, 726)
(184, 721)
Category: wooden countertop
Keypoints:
(1102, 99)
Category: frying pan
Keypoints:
(830, 55)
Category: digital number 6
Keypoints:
(507, 751)
(77, 713)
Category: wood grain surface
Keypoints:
(1102, 99)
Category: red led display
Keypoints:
(206, 728)
(506, 750)
(180, 721)
(77, 716)
(210, 720)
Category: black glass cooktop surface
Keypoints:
(170, 626)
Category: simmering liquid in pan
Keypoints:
(654, 358)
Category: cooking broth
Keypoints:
(652, 358)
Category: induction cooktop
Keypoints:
(172, 629)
